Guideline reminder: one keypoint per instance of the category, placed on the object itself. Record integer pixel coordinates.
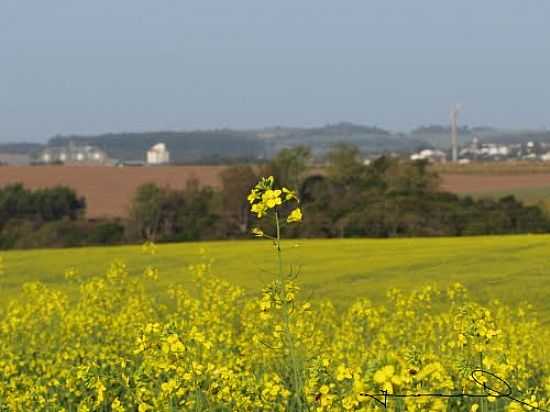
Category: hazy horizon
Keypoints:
(99, 67)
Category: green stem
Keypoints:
(286, 314)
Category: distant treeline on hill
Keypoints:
(184, 147)
(387, 198)
(222, 146)
(20, 148)
(253, 145)
(230, 145)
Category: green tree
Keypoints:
(345, 165)
(195, 217)
(42, 205)
(289, 166)
(56, 203)
(237, 181)
(146, 211)
(164, 214)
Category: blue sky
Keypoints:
(132, 65)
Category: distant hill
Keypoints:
(20, 148)
(440, 136)
(217, 146)
(519, 136)
(184, 147)
(320, 139)
(231, 145)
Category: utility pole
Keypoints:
(454, 132)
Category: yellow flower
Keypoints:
(168, 387)
(272, 198)
(70, 273)
(295, 216)
(151, 273)
(116, 406)
(349, 402)
(259, 209)
(253, 196)
(100, 388)
(257, 232)
(149, 248)
(343, 373)
(289, 194)
(384, 374)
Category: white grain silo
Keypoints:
(158, 155)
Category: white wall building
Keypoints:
(492, 149)
(158, 155)
(73, 154)
(431, 155)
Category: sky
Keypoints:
(137, 65)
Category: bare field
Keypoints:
(478, 183)
(108, 190)
(512, 167)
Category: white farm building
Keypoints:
(74, 154)
(430, 155)
(158, 155)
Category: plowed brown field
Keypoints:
(466, 183)
(108, 190)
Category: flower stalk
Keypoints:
(265, 199)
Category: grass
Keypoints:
(510, 268)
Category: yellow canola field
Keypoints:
(210, 346)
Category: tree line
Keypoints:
(50, 217)
(344, 198)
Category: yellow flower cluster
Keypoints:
(114, 347)
(149, 248)
(264, 197)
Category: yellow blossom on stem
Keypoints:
(295, 216)
(272, 198)
(257, 232)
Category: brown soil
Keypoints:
(463, 183)
(108, 190)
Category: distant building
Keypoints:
(158, 155)
(431, 155)
(477, 150)
(74, 154)
(495, 150)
